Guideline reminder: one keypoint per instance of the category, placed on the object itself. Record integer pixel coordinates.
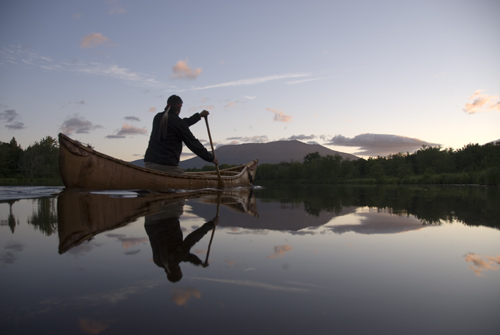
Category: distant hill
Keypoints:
(271, 153)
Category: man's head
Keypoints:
(175, 103)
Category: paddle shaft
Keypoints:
(221, 183)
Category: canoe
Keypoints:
(82, 214)
(82, 167)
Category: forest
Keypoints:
(35, 165)
(471, 164)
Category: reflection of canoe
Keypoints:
(83, 167)
(82, 215)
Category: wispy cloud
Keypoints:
(132, 118)
(251, 139)
(127, 130)
(379, 144)
(482, 103)
(77, 124)
(152, 110)
(118, 72)
(93, 40)
(253, 81)
(10, 116)
(295, 82)
(301, 137)
(181, 70)
(279, 115)
(76, 104)
(115, 7)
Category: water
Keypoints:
(354, 260)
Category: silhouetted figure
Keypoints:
(167, 243)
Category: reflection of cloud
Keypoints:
(279, 115)
(15, 247)
(280, 250)
(132, 252)
(379, 223)
(181, 295)
(480, 264)
(8, 258)
(253, 284)
(128, 242)
(482, 103)
(83, 248)
(91, 326)
(379, 144)
(181, 70)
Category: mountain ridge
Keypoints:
(267, 153)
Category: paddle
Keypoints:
(220, 182)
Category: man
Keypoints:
(169, 131)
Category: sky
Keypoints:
(370, 78)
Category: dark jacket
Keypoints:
(168, 151)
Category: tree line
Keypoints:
(39, 160)
(471, 164)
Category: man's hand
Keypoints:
(204, 113)
(215, 220)
(215, 161)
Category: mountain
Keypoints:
(271, 153)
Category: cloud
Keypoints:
(379, 144)
(250, 97)
(253, 81)
(482, 103)
(76, 103)
(128, 130)
(93, 40)
(115, 7)
(132, 118)
(481, 264)
(152, 110)
(301, 137)
(181, 70)
(15, 125)
(279, 251)
(295, 82)
(8, 115)
(117, 72)
(252, 139)
(77, 124)
(181, 295)
(279, 115)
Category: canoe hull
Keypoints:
(84, 168)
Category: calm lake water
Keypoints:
(311, 260)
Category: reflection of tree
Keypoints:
(11, 220)
(45, 216)
(474, 206)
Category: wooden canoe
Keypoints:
(82, 167)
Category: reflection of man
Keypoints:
(165, 236)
